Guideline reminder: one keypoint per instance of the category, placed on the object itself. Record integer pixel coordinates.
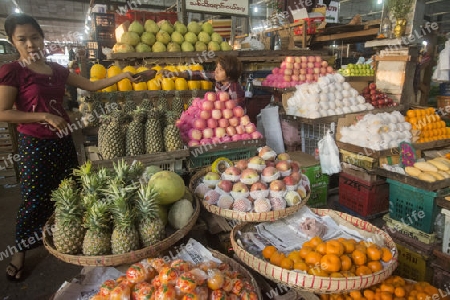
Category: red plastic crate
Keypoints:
(311, 23)
(364, 198)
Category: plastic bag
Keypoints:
(329, 155)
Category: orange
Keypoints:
(322, 248)
(304, 251)
(295, 256)
(324, 297)
(287, 263)
(313, 258)
(315, 241)
(335, 247)
(398, 281)
(431, 290)
(387, 287)
(363, 270)
(410, 113)
(375, 266)
(268, 251)
(349, 247)
(330, 263)
(301, 266)
(374, 253)
(399, 292)
(276, 258)
(359, 258)
(386, 296)
(336, 275)
(307, 244)
(346, 262)
(361, 248)
(356, 294)
(387, 255)
(370, 295)
(422, 296)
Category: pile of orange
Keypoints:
(392, 288)
(333, 258)
(430, 125)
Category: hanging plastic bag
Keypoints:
(329, 155)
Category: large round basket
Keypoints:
(119, 259)
(312, 283)
(243, 216)
(238, 267)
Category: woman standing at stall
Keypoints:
(31, 95)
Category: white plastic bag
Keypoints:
(329, 155)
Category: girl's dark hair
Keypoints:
(13, 20)
(231, 65)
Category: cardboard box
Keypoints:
(318, 181)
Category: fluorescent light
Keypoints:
(255, 9)
(379, 1)
(424, 43)
(89, 17)
(17, 10)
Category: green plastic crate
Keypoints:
(206, 158)
(412, 206)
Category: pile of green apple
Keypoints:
(357, 70)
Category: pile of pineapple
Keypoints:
(130, 130)
(108, 211)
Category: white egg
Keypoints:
(353, 101)
(331, 112)
(407, 126)
(314, 88)
(345, 93)
(393, 135)
(313, 106)
(354, 108)
(392, 127)
(385, 136)
(325, 89)
(314, 115)
(330, 97)
(346, 102)
(332, 105)
(339, 111)
(338, 95)
(323, 97)
(407, 134)
(346, 86)
(392, 119)
(323, 113)
(323, 81)
(339, 78)
(331, 88)
(331, 77)
(360, 99)
(369, 106)
(324, 105)
(346, 110)
(314, 98)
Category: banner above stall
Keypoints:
(231, 7)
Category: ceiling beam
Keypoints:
(139, 6)
(39, 18)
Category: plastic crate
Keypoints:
(104, 20)
(413, 206)
(311, 23)
(412, 265)
(364, 198)
(393, 226)
(207, 158)
(446, 237)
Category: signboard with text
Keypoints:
(332, 13)
(232, 7)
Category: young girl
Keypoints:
(227, 73)
(35, 88)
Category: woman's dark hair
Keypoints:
(231, 65)
(13, 20)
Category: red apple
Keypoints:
(372, 86)
(207, 105)
(212, 123)
(220, 132)
(216, 114)
(230, 104)
(232, 171)
(195, 134)
(241, 164)
(290, 180)
(199, 124)
(224, 96)
(258, 186)
(205, 114)
(234, 121)
(219, 105)
(256, 160)
(238, 111)
(210, 96)
(283, 165)
(330, 69)
(240, 187)
(244, 120)
(227, 113)
(193, 143)
(250, 128)
(240, 129)
(225, 185)
(256, 135)
(277, 186)
(208, 133)
(224, 123)
(269, 171)
(230, 130)
(249, 174)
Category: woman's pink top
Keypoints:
(37, 93)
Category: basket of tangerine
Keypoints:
(335, 265)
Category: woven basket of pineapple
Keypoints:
(125, 258)
(322, 266)
(237, 206)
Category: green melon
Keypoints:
(169, 186)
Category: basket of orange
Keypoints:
(325, 266)
(393, 287)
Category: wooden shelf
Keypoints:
(443, 202)
(359, 78)
(384, 43)
(432, 145)
(393, 58)
(348, 37)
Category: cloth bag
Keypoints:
(329, 155)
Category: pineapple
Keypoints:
(171, 117)
(146, 104)
(163, 105)
(151, 227)
(153, 136)
(129, 105)
(177, 104)
(135, 143)
(68, 232)
(172, 138)
(97, 240)
(91, 182)
(96, 110)
(194, 95)
(112, 139)
(127, 174)
(125, 237)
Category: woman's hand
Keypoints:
(55, 121)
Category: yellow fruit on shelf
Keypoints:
(167, 84)
(113, 71)
(141, 69)
(111, 88)
(206, 85)
(196, 67)
(124, 85)
(157, 68)
(181, 84)
(130, 69)
(182, 68)
(140, 86)
(194, 84)
(153, 85)
(171, 68)
(98, 71)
